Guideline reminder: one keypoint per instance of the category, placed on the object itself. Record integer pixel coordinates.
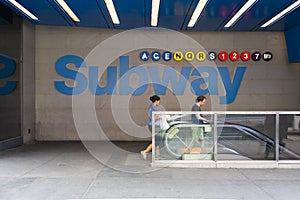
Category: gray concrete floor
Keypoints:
(66, 170)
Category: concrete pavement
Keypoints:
(67, 170)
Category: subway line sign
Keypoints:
(119, 83)
(211, 56)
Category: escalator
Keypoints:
(234, 142)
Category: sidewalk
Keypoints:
(66, 170)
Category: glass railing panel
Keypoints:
(289, 137)
(246, 137)
(178, 138)
(239, 136)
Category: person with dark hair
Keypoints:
(198, 118)
(152, 107)
(198, 132)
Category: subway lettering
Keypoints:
(7, 69)
(205, 79)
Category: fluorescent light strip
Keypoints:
(197, 12)
(24, 10)
(282, 14)
(154, 12)
(239, 13)
(112, 11)
(68, 10)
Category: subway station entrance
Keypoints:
(76, 81)
(90, 78)
(231, 139)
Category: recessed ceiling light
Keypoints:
(112, 11)
(282, 14)
(154, 12)
(197, 12)
(68, 10)
(24, 10)
(235, 18)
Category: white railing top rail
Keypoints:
(230, 112)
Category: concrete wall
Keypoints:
(266, 86)
(28, 82)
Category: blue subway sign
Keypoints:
(7, 69)
(161, 78)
